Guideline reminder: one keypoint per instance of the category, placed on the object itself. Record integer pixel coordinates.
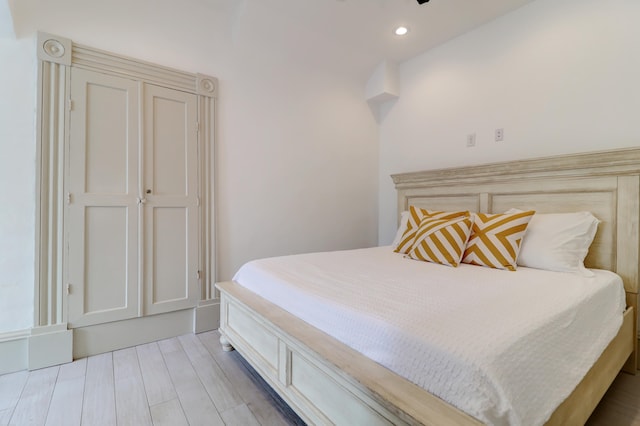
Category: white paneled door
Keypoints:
(132, 200)
(170, 171)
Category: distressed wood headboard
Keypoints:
(605, 183)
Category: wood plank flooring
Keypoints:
(188, 380)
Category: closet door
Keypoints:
(171, 204)
(102, 199)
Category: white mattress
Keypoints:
(505, 347)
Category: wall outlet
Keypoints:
(499, 135)
(471, 140)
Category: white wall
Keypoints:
(297, 155)
(17, 182)
(560, 76)
(296, 144)
(298, 170)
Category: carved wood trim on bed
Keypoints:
(605, 183)
(323, 380)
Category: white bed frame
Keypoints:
(326, 382)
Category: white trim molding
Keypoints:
(56, 56)
(55, 49)
(50, 345)
(111, 336)
(52, 123)
(207, 316)
(14, 351)
(35, 348)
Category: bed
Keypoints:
(328, 382)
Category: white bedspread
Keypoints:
(505, 347)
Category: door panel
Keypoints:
(171, 208)
(106, 258)
(170, 266)
(170, 144)
(106, 166)
(103, 186)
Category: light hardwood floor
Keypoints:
(188, 381)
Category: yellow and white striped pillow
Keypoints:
(441, 240)
(416, 215)
(495, 239)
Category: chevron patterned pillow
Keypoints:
(441, 240)
(416, 215)
(495, 239)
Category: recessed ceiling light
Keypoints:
(401, 31)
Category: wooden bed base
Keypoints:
(322, 379)
(326, 382)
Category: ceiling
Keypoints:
(350, 36)
(358, 34)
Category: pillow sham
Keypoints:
(496, 238)
(558, 241)
(441, 240)
(404, 219)
(416, 215)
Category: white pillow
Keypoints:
(404, 220)
(558, 241)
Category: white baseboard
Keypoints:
(51, 345)
(207, 316)
(14, 351)
(100, 338)
(46, 346)
(36, 348)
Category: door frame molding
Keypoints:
(56, 55)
